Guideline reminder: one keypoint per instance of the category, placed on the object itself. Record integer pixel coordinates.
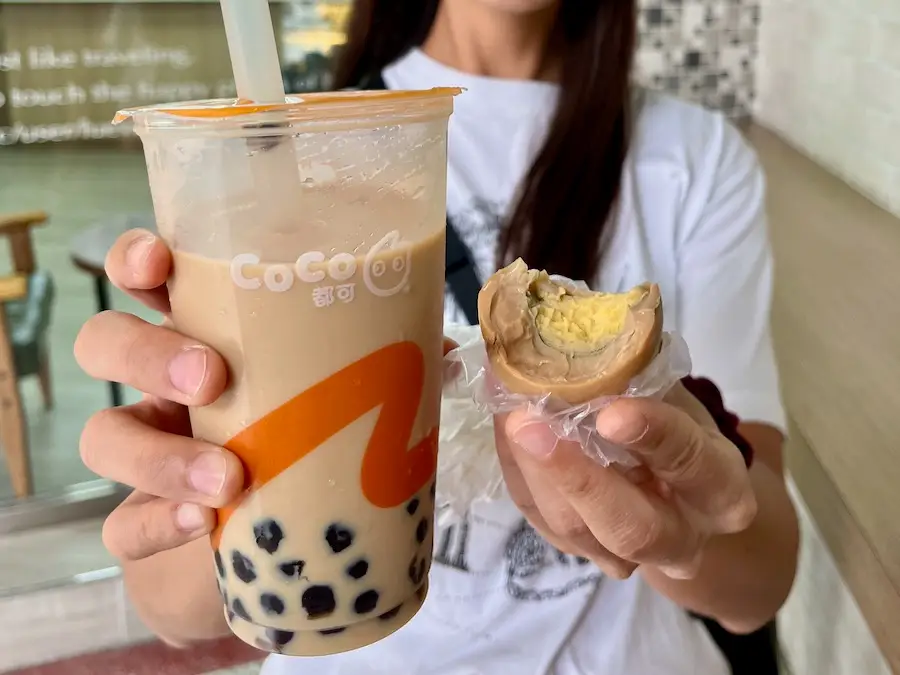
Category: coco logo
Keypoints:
(385, 269)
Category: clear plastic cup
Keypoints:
(308, 244)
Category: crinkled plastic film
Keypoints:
(468, 467)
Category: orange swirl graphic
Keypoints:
(392, 472)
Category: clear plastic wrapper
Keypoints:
(468, 467)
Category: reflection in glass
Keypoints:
(70, 182)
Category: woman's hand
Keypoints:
(178, 481)
(693, 484)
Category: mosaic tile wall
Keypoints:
(701, 50)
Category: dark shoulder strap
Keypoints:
(460, 275)
(373, 81)
(462, 279)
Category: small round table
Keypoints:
(88, 251)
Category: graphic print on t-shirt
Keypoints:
(534, 569)
(479, 225)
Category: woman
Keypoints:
(555, 158)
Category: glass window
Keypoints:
(70, 182)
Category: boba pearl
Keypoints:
(268, 535)
(292, 569)
(271, 603)
(339, 537)
(358, 569)
(243, 567)
(412, 571)
(433, 490)
(390, 614)
(318, 601)
(422, 530)
(239, 610)
(333, 631)
(279, 638)
(417, 570)
(413, 506)
(365, 602)
(220, 564)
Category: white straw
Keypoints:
(257, 75)
(254, 53)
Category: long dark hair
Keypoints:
(571, 190)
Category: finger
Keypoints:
(629, 522)
(452, 369)
(156, 360)
(552, 515)
(449, 345)
(139, 264)
(582, 546)
(687, 569)
(518, 489)
(700, 465)
(138, 528)
(162, 414)
(117, 445)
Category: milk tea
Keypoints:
(320, 281)
(333, 405)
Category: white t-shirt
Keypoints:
(502, 601)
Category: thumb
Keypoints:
(531, 433)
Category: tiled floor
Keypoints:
(250, 669)
(63, 604)
(78, 188)
(221, 657)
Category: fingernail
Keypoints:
(189, 518)
(676, 572)
(207, 473)
(138, 252)
(684, 571)
(622, 427)
(187, 370)
(536, 437)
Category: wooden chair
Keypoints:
(26, 299)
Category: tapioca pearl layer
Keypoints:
(319, 603)
(341, 549)
(329, 640)
(300, 597)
